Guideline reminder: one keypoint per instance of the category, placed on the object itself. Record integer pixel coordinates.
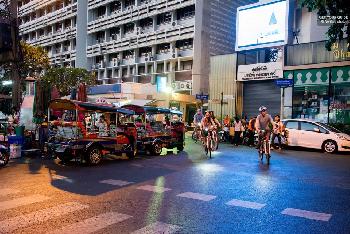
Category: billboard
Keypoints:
(263, 24)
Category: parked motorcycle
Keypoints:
(4, 155)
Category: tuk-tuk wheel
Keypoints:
(180, 148)
(133, 153)
(157, 148)
(94, 155)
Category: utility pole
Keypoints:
(221, 104)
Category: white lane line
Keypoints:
(158, 228)
(38, 217)
(63, 178)
(197, 196)
(137, 165)
(93, 224)
(307, 214)
(246, 204)
(5, 205)
(5, 192)
(116, 182)
(152, 188)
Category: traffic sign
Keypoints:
(284, 83)
(202, 96)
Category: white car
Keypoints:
(316, 135)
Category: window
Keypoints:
(115, 6)
(128, 54)
(146, 23)
(129, 28)
(184, 44)
(163, 48)
(187, 12)
(292, 125)
(164, 18)
(305, 126)
(101, 12)
(144, 51)
(129, 3)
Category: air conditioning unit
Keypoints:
(174, 23)
(151, 58)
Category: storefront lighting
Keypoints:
(7, 82)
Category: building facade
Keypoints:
(139, 41)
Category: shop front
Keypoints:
(259, 87)
(321, 94)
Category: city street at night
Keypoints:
(299, 192)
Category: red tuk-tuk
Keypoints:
(158, 128)
(88, 131)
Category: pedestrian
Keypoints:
(237, 124)
(226, 128)
(251, 131)
(278, 128)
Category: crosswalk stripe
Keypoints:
(197, 196)
(5, 205)
(116, 182)
(307, 214)
(245, 204)
(158, 228)
(93, 224)
(5, 192)
(151, 188)
(40, 216)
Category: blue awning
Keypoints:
(104, 89)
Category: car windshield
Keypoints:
(330, 128)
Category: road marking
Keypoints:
(136, 165)
(246, 204)
(197, 196)
(93, 224)
(40, 216)
(151, 188)
(63, 178)
(307, 214)
(5, 205)
(116, 182)
(5, 192)
(158, 228)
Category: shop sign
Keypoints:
(260, 71)
(228, 97)
(182, 85)
(339, 52)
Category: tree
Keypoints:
(35, 60)
(64, 79)
(336, 31)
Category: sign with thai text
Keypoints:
(260, 71)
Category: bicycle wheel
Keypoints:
(267, 152)
(210, 146)
(261, 151)
(194, 136)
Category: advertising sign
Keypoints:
(263, 24)
(182, 85)
(260, 71)
(161, 84)
(202, 96)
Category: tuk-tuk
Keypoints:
(89, 131)
(158, 128)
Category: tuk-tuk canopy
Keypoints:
(62, 104)
(139, 110)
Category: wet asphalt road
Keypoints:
(300, 192)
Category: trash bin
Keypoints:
(19, 131)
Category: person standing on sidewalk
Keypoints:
(238, 130)
(278, 128)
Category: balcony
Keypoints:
(136, 13)
(142, 40)
(49, 19)
(56, 37)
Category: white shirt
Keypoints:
(238, 126)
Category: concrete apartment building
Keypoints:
(134, 40)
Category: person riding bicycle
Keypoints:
(207, 123)
(197, 118)
(263, 122)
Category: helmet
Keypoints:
(262, 108)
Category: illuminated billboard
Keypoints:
(263, 24)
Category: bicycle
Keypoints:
(4, 156)
(264, 146)
(196, 134)
(209, 141)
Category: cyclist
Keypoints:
(278, 129)
(217, 125)
(263, 122)
(206, 125)
(197, 119)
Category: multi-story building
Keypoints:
(137, 41)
